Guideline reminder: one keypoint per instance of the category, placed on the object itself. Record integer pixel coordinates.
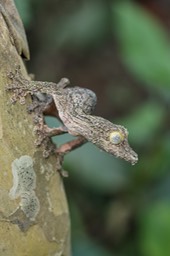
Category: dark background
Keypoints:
(121, 50)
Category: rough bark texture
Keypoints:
(34, 218)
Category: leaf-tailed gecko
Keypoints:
(75, 106)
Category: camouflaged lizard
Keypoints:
(75, 106)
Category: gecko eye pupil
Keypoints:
(116, 137)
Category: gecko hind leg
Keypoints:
(66, 148)
(70, 145)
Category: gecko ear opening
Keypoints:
(116, 137)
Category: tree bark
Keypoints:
(34, 218)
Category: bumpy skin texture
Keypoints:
(75, 106)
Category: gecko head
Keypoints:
(109, 137)
(117, 144)
(114, 140)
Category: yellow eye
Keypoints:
(116, 137)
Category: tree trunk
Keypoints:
(34, 218)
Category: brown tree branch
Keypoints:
(34, 218)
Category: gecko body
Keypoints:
(75, 106)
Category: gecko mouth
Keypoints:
(127, 154)
(133, 158)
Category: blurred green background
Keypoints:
(121, 50)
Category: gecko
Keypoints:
(75, 106)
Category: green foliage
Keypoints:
(143, 44)
(145, 122)
(76, 29)
(155, 230)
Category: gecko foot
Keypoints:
(45, 133)
(17, 86)
(43, 140)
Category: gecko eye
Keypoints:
(116, 137)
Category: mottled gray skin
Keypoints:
(75, 106)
